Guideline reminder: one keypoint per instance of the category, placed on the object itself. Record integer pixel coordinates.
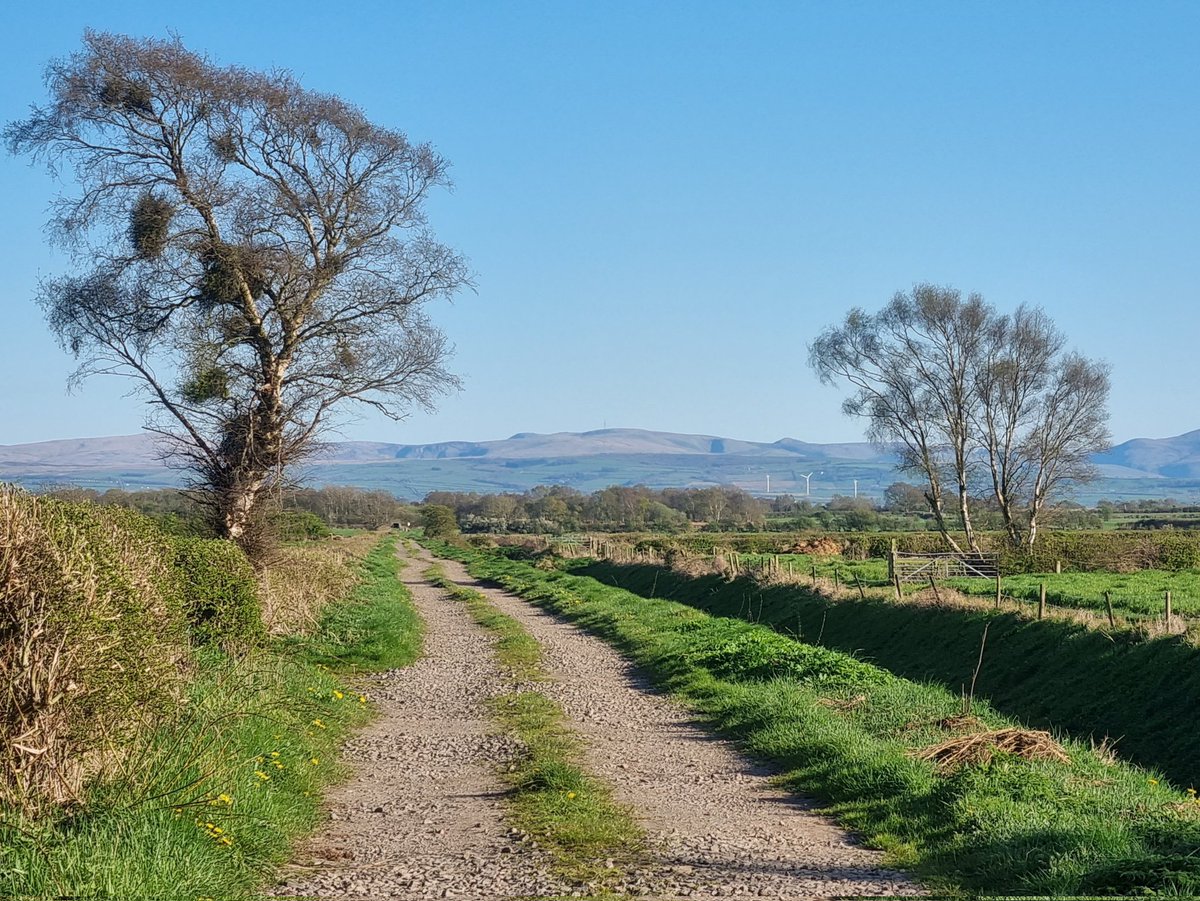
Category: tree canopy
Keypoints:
(255, 256)
(972, 400)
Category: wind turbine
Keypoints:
(806, 482)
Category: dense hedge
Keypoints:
(219, 591)
(98, 608)
(1113, 551)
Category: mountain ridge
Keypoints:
(1140, 467)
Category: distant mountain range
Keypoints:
(1143, 467)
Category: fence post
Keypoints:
(896, 582)
(1058, 566)
(1108, 605)
(1168, 610)
(1042, 601)
(861, 591)
(892, 562)
(997, 586)
(814, 574)
(933, 584)
(837, 579)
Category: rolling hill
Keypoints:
(588, 461)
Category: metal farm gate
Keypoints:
(921, 568)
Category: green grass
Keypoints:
(247, 753)
(552, 798)
(1009, 827)
(1051, 674)
(375, 629)
(1135, 595)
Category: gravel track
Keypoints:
(717, 826)
(421, 816)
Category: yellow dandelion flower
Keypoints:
(217, 830)
(570, 794)
(362, 699)
(337, 694)
(314, 761)
(225, 799)
(318, 724)
(274, 753)
(227, 841)
(261, 775)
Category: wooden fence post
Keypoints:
(997, 587)
(861, 591)
(1042, 601)
(933, 584)
(1112, 624)
(1168, 610)
(896, 582)
(837, 579)
(814, 574)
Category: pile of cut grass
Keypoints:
(1004, 826)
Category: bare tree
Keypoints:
(909, 366)
(959, 390)
(253, 255)
(1041, 414)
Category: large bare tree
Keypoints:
(254, 255)
(973, 399)
(1040, 412)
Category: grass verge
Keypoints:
(570, 814)
(1121, 685)
(216, 793)
(850, 733)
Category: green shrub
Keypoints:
(219, 591)
(439, 521)
(299, 525)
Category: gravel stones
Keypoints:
(421, 815)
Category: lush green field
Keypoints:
(849, 733)
(1134, 595)
(207, 803)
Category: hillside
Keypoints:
(588, 461)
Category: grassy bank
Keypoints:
(208, 790)
(855, 735)
(1135, 691)
(552, 798)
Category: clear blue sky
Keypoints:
(665, 201)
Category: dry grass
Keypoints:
(92, 643)
(843, 703)
(979, 748)
(297, 582)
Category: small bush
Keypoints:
(219, 591)
(299, 525)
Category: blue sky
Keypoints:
(664, 202)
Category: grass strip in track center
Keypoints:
(849, 733)
(553, 799)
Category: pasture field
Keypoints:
(1136, 595)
